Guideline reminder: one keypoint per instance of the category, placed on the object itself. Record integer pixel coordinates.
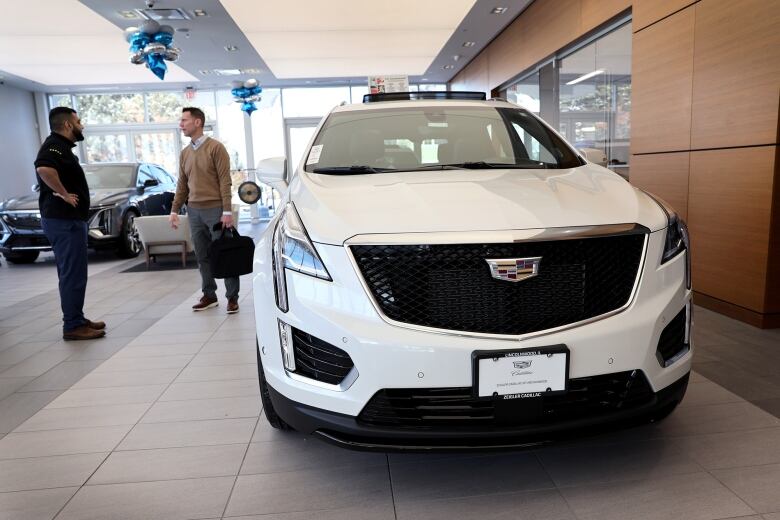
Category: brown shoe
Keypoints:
(232, 307)
(83, 332)
(96, 325)
(205, 303)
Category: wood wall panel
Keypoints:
(661, 85)
(474, 77)
(664, 175)
(772, 303)
(729, 207)
(736, 73)
(596, 12)
(645, 12)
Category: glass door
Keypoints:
(298, 131)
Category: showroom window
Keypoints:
(585, 92)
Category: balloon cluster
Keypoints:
(246, 93)
(152, 44)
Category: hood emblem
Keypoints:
(514, 269)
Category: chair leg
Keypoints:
(184, 256)
(146, 250)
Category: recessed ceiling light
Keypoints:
(469, 44)
(425, 79)
(448, 67)
(231, 48)
(199, 12)
(227, 72)
(251, 71)
(499, 10)
(456, 57)
(128, 14)
(205, 72)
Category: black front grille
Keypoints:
(451, 287)
(447, 408)
(672, 340)
(23, 220)
(319, 360)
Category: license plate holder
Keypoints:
(521, 373)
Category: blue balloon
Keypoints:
(248, 107)
(156, 64)
(256, 90)
(138, 41)
(164, 38)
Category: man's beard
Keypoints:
(77, 135)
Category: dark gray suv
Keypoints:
(119, 192)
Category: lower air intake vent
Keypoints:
(319, 360)
(672, 343)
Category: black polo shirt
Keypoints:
(56, 153)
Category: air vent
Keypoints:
(164, 15)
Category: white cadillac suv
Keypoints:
(448, 272)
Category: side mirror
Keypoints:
(36, 188)
(273, 171)
(594, 155)
(148, 183)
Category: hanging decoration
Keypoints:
(152, 44)
(246, 93)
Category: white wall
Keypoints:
(19, 141)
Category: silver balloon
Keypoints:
(150, 27)
(172, 54)
(155, 48)
(129, 32)
(137, 57)
(250, 83)
(237, 83)
(238, 100)
(165, 29)
(254, 98)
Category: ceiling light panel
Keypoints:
(346, 38)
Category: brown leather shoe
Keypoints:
(83, 332)
(96, 325)
(232, 307)
(205, 303)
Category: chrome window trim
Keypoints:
(542, 235)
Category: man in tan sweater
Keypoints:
(204, 185)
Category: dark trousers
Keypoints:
(202, 228)
(69, 239)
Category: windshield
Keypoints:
(429, 138)
(104, 176)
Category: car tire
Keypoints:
(129, 241)
(22, 257)
(265, 396)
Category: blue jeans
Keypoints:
(68, 237)
(201, 224)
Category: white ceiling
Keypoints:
(348, 37)
(63, 42)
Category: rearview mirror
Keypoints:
(273, 171)
(594, 155)
(36, 188)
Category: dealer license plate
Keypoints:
(521, 373)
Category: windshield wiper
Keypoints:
(482, 165)
(351, 170)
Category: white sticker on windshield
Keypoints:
(314, 155)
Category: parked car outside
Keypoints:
(450, 273)
(119, 192)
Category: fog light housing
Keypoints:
(286, 342)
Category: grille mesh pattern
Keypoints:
(432, 408)
(672, 338)
(319, 360)
(450, 286)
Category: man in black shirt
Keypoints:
(64, 205)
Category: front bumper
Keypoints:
(388, 356)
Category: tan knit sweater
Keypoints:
(204, 177)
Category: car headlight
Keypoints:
(103, 220)
(292, 249)
(3, 226)
(677, 239)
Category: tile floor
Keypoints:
(162, 420)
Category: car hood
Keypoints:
(334, 208)
(100, 197)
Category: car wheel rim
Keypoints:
(131, 234)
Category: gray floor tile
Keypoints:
(9, 386)
(707, 392)
(159, 350)
(771, 516)
(468, 476)
(61, 377)
(172, 500)
(20, 406)
(211, 390)
(161, 376)
(84, 417)
(147, 363)
(48, 472)
(715, 418)
(107, 396)
(201, 409)
(219, 373)
(154, 340)
(697, 496)
(189, 433)
(530, 505)
(264, 432)
(34, 505)
(609, 463)
(61, 442)
(759, 486)
(241, 357)
(35, 365)
(133, 328)
(769, 405)
(296, 453)
(21, 351)
(745, 384)
(382, 510)
(324, 489)
(734, 449)
(214, 346)
(100, 350)
(170, 464)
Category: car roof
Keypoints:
(423, 103)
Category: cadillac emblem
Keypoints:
(514, 269)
